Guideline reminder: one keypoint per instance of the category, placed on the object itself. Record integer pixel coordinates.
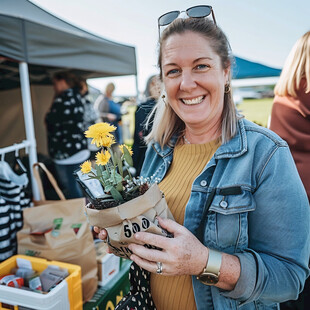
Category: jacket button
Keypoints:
(203, 183)
(223, 204)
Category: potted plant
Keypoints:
(119, 202)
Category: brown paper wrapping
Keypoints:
(62, 244)
(139, 214)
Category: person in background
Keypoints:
(290, 119)
(152, 92)
(67, 145)
(242, 218)
(90, 114)
(109, 111)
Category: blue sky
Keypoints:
(258, 30)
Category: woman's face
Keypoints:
(60, 86)
(194, 79)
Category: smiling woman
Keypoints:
(194, 81)
(222, 179)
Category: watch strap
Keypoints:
(214, 262)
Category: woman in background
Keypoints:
(67, 145)
(290, 119)
(110, 111)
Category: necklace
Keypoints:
(186, 141)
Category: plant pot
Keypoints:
(122, 221)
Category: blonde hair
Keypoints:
(110, 88)
(166, 122)
(296, 68)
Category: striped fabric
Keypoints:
(12, 201)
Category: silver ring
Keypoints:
(159, 268)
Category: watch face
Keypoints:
(208, 278)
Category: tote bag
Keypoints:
(58, 230)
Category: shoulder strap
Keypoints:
(51, 179)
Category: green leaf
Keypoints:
(108, 188)
(127, 156)
(119, 186)
(116, 194)
(115, 178)
(112, 157)
(98, 171)
(119, 164)
(105, 175)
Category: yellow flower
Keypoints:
(101, 134)
(102, 158)
(86, 167)
(107, 141)
(127, 147)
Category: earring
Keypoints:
(227, 88)
(163, 98)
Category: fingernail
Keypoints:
(137, 236)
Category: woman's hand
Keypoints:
(183, 254)
(102, 233)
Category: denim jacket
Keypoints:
(265, 223)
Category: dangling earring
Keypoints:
(163, 98)
(227, 88)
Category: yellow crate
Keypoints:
(66, 295)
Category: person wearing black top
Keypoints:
(151, 93)
(67, 144)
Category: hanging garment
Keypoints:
(12, 201)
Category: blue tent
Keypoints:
(245, 69)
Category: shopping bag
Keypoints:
(58, 230)
(138, 214)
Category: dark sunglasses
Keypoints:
(198, 11)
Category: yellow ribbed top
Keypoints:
(175, 293)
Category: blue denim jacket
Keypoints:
(266, 224)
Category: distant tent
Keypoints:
(48, 44)
(245, 69)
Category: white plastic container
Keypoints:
(67, 295)
(57, 299)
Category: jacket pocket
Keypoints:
(227, 223)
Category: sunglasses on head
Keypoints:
(198, 11)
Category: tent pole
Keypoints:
(29, 126)
(137, 90)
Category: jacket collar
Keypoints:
(168, 148)
(233, 148)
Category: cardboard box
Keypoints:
(108, 264)
(108, 296)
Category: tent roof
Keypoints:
(48, 44)
(245, 69)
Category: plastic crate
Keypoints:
(66, 295)
(109, 295)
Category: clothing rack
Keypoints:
(15, 147)
(27, 145)
(29, 126)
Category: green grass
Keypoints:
(256, 110)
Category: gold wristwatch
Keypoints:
(210, 274)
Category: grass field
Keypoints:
(256, 110)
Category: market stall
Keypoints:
(34, 44)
